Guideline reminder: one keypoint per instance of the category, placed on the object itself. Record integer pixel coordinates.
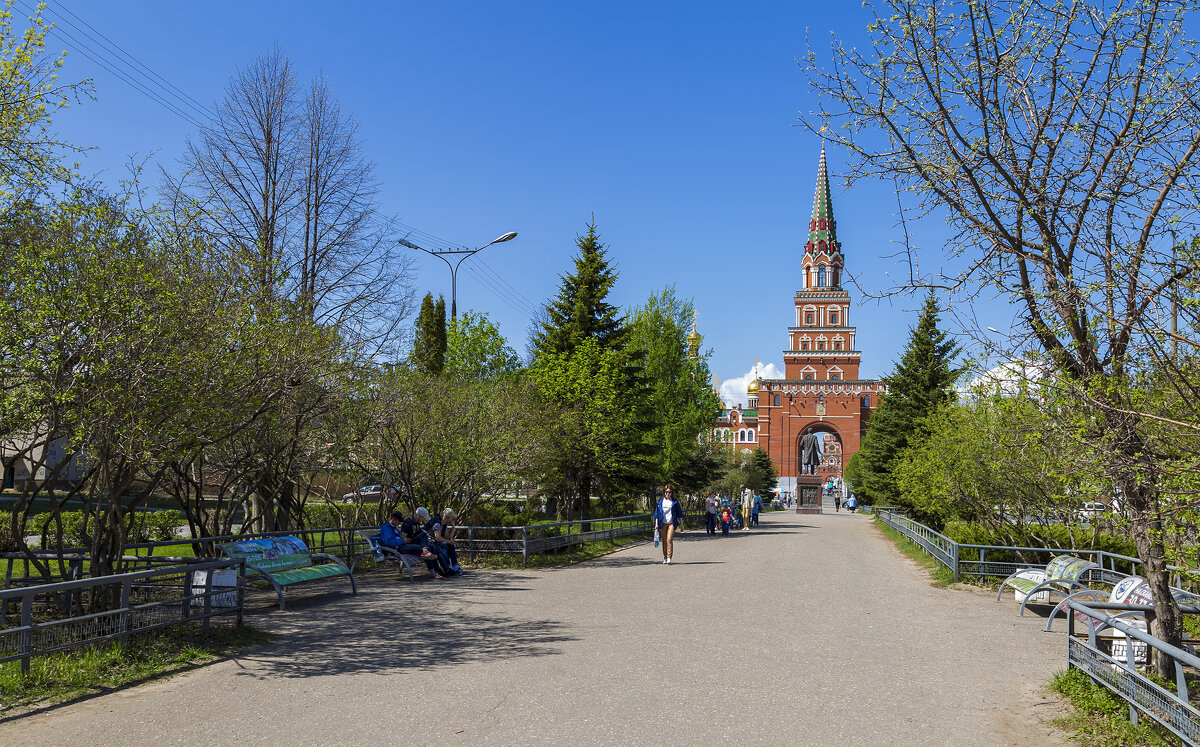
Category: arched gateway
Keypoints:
(821, 387)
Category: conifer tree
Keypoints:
(429, 340)
(580, 310)
(583, 368)
(922, 382)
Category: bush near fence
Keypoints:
(147, 526)
(1057, 535)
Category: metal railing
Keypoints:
(1000, 560)
(142, 601)
(1173, 710)
(345, 543)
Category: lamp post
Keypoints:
(441, 254)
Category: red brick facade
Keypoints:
(821, 388)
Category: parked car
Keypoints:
(368, 494)
(1092, 509)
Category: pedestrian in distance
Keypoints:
(726, 519)
(755, 510)
(746, 502)
(710, 515)
(668, 519)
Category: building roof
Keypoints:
(822, 227)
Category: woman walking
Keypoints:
(668, 518)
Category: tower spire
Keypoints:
(822, 229)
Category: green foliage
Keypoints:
(761, 475)
(475, 349)
(1101, 718)
(99, 668)
(429, 339)
(31, 94)
(78, 527)
(1063, 536)
(679, 405)
(921, 384)
(580, 311)
(593, 389)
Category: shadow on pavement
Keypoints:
(390, 626)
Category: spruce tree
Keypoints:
(580, 310)
(584, 368)
(921, 384)
(429, 339)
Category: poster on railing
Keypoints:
(219, 579)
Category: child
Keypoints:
(726, 517)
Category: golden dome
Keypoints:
(753, 388)
(694, 337)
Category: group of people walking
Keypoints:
(720, 510)
(668, 517)
(430, 538)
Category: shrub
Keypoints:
(1039, 535)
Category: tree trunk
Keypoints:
(1167, 623)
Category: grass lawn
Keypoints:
(92, 670)
(1101, 719)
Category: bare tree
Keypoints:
(1059, 139)
(281, 178)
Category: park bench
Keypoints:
(284, 561)
(1061, 576)
(380, 552)
(1129, 590)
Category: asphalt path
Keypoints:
(811, 630)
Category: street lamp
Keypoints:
(440, 254)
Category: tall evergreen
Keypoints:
(429, 339)
(921, 384)
(589, 377)
(580, 310)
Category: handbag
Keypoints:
(656, 536)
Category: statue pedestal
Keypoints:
(808, 494)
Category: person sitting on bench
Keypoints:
(390, 536)
(417, 529)
(443, 536)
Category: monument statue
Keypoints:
(810, 452)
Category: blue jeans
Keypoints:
(725, 528)
(711, 526)
(753, 518)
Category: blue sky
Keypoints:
(672, 123)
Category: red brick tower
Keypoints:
(821, 389)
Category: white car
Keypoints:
(1091, 509)
(365, 494)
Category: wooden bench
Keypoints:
(1062, 577)
(284, 561)
(381, 553)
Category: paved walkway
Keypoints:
(812, 630)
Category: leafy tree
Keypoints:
(446, 442)
(1063, 157)
(30, 94)
(475, 349)
(583, 370)
(429, 339)
(679, 404)
(921, 384)
(761, 476)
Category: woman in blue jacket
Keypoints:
(668, 519)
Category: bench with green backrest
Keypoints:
(380, 552)
(1063, 576)
(284, 561)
